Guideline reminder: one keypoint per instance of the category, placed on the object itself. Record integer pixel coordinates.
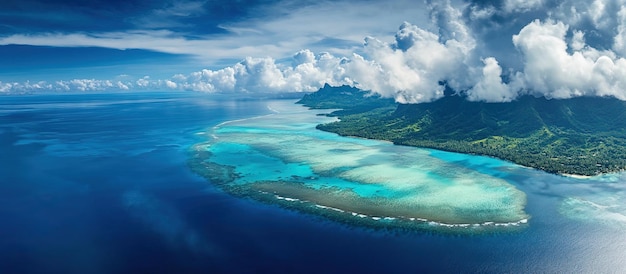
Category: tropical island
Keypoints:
(282, 159)
(578, 136)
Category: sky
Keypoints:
(491, 50)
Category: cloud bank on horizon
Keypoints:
(491, 51)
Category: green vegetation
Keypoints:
(584, 136)
(348, 99)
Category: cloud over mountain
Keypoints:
(491, 51)
(412, 69)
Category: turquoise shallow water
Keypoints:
(282, 154)
(288, 157)
(448, 188)
(100, 183)
(253, 165)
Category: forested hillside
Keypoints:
(584, 136)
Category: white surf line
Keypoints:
(241, 120)
(272, 109)
(286, 198)
(330, 208)
(387, 218)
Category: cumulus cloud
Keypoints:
(521, 5)
(576, 48)
(415, 67)
(5, 87)
(619, 42)
(307, 72)
(553, 70)
(556, 61)
(143, 82)
(74, 85)
(411, 69)
(490, 87)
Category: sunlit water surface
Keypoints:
(101, 183)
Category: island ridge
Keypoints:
(578, 136)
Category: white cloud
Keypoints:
(74, 85)
(122, 86)
(143, 82)
(601, 15)
(308, 73)
(552, 71)
(619, 42)
(6, 87)
(167, 16)
(336, 27)
(521, 5)
(449, 22)
(481, 13)
(490, 88)
(154, 40)
(171, 84)
(578, 40)
(561, 57)
(412, 69)
(598, 13)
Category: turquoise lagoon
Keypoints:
(282, 159)
(100, 183)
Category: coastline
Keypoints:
(561, 137)
(583, 177)
(363, 212)
(470, 152)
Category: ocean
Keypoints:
(101, 183)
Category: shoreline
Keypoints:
(547, 140)
(565, 174)
(223, 175)
(583, 177)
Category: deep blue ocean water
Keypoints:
(99, 183)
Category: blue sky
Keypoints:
(87, 38)
(494, 50)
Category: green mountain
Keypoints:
(584, 136)
(347, 98)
